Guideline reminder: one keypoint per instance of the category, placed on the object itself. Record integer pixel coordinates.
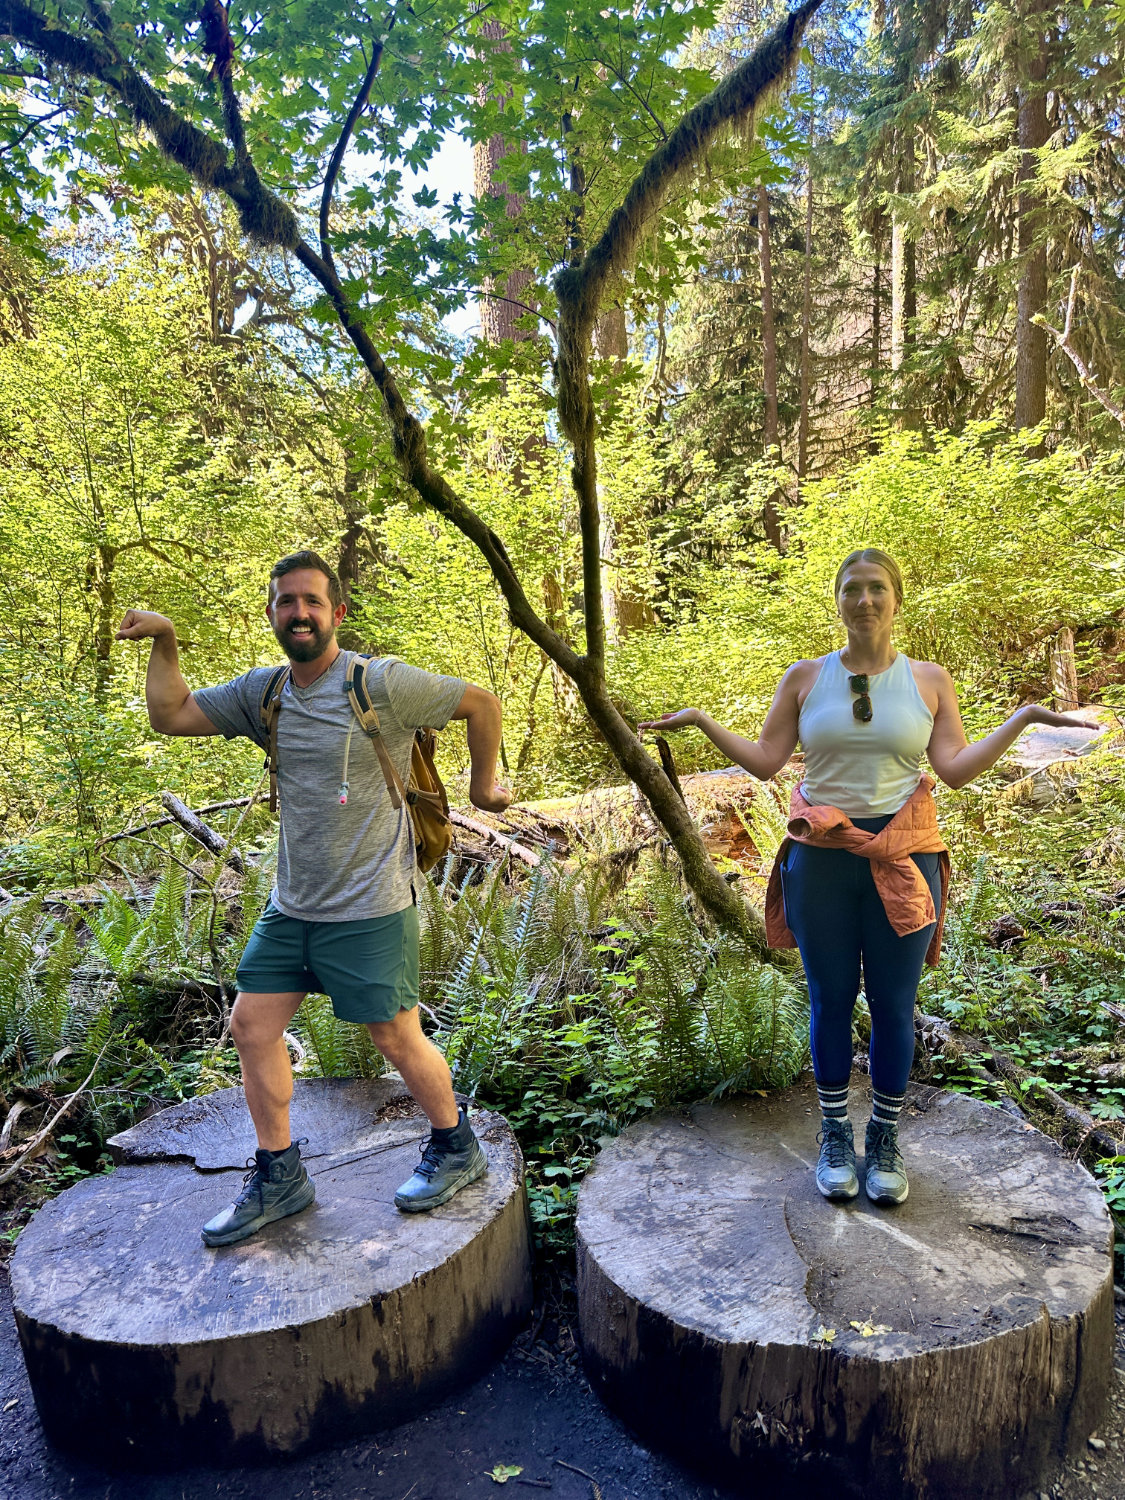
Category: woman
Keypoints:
(861, 879)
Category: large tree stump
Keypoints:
(711, 1274)
(144, 1346)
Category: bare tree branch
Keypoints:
(1085, 375)
(349, 125)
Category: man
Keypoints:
(343, 917)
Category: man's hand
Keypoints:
(171, 707)
(494, 800)
(142, 625)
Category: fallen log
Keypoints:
(194, 826)
(966, 1046)
(482, 830)
(200, 812)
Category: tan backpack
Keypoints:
(424, 796)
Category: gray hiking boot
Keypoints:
(886, 1171)
(445, 1168)
(272, 1189)
(835, 1171)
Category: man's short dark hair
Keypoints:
(308, 559)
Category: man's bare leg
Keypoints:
(424, 1070)
(279, 1185)
(453, 1157)
(257, 1026)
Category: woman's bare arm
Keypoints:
(766, 755)
(954, 759)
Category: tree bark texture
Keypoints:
(611, 335)
(904, 269)
(1031, 292)
(876, 308)
(769, 328)
(955, 1345)
(145, 1348)
(806, 329)
(501, 307)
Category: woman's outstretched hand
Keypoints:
(1035, 713)
(682, 718)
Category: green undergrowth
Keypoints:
(1034, 956)
(572, 1003)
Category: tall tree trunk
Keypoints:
(806, 328)
(353, 513)
(769, 328)
(904, 273)
(1031, 294)
(500, 307)
(99, 580)
(876, 308)
(347, 564)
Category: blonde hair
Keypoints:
(870, 555)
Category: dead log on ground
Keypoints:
(194, 826)
(967, 1047)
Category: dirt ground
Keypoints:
(533, 1409)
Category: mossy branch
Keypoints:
(267, 220)
(734, 101)
(581, 286)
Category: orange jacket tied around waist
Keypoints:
(900, 883)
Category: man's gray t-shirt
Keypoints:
(339, 863)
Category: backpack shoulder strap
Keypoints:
(269, 709)
(364, 710)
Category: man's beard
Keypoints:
(303, 647)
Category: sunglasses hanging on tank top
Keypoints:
(861, 708)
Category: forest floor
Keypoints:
(534, 1409)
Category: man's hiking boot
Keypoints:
(886, 1171)
(274, 1187)
(835, 1171)
(446, 1167)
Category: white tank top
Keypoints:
(866, 770)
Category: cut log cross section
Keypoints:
(951, 1346)
(145, 1348)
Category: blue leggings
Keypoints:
(834, 911)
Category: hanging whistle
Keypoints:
(343, 794)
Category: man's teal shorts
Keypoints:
(369, 968)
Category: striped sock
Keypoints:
(885, 1108)
(833, 1100)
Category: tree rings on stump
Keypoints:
(144, 1346)
(951, 1346)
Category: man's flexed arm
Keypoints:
(171, 707)
(481, 711)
